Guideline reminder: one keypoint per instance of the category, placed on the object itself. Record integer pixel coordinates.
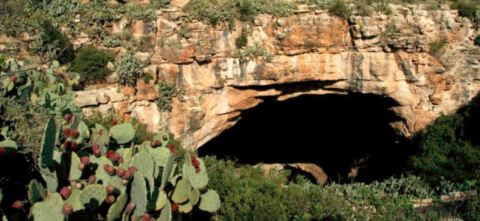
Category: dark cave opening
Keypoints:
(336, 132)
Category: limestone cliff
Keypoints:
(310, 52)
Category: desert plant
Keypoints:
(129, 69)
(108, 176)
(53, 44)
(242, 40)
(166, 92)
(437, 47)
(340, 8)
(477, 40)
(91, 64)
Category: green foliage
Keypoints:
(249, 53)
(219, 11)
(437, 47)
(449, 147)
(242, 40)
(129, 69)
(166, 92)
(53, 44)
(153, 174)
(468, 8)
(91, 64)
(247, 194)
(340, 8)
(477, 40)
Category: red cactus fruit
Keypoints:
(81, 166)
(172, 149)
(110, 189)
(156, 144)
(109, 169)
(132, 169)
(120, 172)
(13, 78)
(17, 204)
(73, 146)
(74, 133)
(92, 179)
(113, 156)
(66, 132)
(66, 145)
(78, 185)
(65, 192)
(146, 217)
(114, 122)
(127, 175)
(68, 117)
(85, 160)
(130, 207)
(174, 207)
(110, 199)
(2, 151)
(96, 150)
(67, 209)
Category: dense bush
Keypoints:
(242, 40)
(53, 44)
(129, 69)
(91, 64)
(340, 8)
(166, 92)
(468, 8)
(450, 147)
(214, 11)
(477, 40)
(247, 194)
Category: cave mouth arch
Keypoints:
(336, 132)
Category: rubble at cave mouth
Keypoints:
(340, 133)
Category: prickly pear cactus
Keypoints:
(139, 194)
(210, 201)
(48, 145)
(75, 172)
(182, 191)
(116, 209)
(36, 191)
(123, 133)
(74, 200)
(145, 164)
(93, 195)
(100, 172)
(167, 171)
(197, 177)
(166, 213)
(49, 210)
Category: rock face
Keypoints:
(310, 52)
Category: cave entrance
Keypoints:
(342, 134)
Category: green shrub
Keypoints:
(437, 47)
(340, 8)
(242, 40)
(53, 44)
(129, 69)
(445, 152)
(467, 8)
(166, 92)
(91, 64)
(477, 40)
(215, 11)
(248, 194)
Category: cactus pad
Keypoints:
(210, 201)
(138, 194)
(160, 155)
(145, 164)
(48, 144)
(75, 172)
(161, 200)
(74, 200)
(116, 209)
(50, 178)
(167, 171)
(36, 192)
(49, 210)
(185, 208)
(198, 180)
(182, 191)
(93, 195)
(166, 213)
(99, 171)
(123, 133)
